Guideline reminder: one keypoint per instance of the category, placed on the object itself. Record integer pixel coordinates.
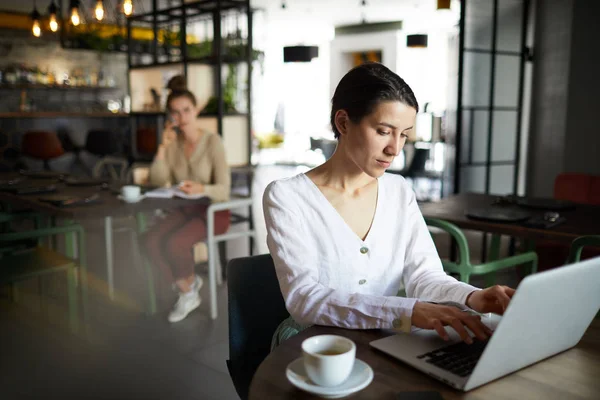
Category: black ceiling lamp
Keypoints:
(416, 41)
(300, 53)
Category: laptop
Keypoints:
(548, 314)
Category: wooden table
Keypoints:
(580, 221)
(108, 207)
(572, 374)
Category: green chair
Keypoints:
(578, 245)
(26, 263)
(465, 269)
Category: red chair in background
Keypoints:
(43, 150)
(146, 141)
(578, 188)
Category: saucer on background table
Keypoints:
(360, 377)
(131, 201)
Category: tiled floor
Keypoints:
(126, 354)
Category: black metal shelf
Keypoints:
(212, 61)
(192, 9)
(155, 65)
(217, 50)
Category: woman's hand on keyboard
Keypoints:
(436, 316)
(494, 299)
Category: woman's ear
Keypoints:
(341, 121)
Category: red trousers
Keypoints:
(169, 243)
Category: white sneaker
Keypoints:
(198, 282)
(187, 302)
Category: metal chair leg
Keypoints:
(212, 268)
(223, 261)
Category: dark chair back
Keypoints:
(256, 308)
(417, 165)
(102, 142)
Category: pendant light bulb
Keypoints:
(36, 29)
(53, 23)
(99, 10)
(75, 20)
(53, 10)
(128, 7)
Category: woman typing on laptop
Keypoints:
(345, 236)
(195, 160)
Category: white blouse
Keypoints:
(329, 276)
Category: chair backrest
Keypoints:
(417, 165)
(580, 188)
(102, 142)
(146, 140)
(256, 308)
(578, 245)
(114, 168)
(42, 145)
(139, 174)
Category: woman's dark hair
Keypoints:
(365, 86)
(177, 83)
(180, 93)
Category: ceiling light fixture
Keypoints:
(416, 41)
(75, 18)
(128, 7)
(99, 10)
(53, 11)
(443, 4)
(35, 16)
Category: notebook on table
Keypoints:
(170, 192)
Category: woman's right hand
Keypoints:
(169, 136)
(436, 316)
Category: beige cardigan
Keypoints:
(207, 165)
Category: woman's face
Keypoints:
(183, 112)
(374, 142)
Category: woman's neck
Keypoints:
(192, 135)
(340, 173)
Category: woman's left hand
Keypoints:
(494, 299)
(191, 187)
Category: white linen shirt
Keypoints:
(330, 276)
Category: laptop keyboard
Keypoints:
(459, 358)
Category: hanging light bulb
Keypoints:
(75, 18)
(36, 29)
(52, 10)
(99, 10)
(128, 7)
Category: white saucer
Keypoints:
(131, 201)
(359, 378)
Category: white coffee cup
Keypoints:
(328, 359)
(131, 192)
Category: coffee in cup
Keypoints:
(328, 359)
